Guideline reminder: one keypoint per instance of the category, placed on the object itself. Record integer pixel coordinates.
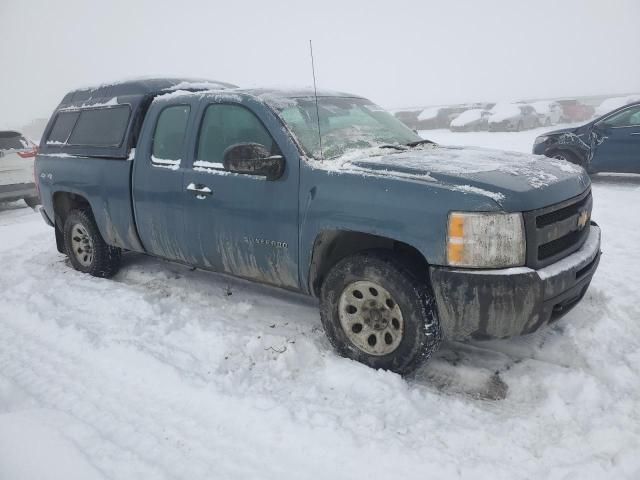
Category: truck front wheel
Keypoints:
(375, 310)
(86, 248)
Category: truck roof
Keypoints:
(275, 97)
(134, 95)
(293, 93)
(139, 87)
(78, 108)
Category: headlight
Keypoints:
(486, 240)
(540, 140)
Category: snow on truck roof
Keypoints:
(165, 88)
(275, 97)
(293, 93)
(140, 87)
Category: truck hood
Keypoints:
(515, 181)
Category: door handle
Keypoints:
(635, 133)
(201, 191)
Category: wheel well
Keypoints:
(63, 203)
(565, 151)
(332, 246)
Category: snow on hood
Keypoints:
(502, 112)
(467, 117)
(516, 181)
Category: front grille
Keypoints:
(555, 232)
(559, 245)
(555, 216)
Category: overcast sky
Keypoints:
(398, 53)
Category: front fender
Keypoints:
(409, 211)
(579, 144)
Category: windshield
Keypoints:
(345, 124)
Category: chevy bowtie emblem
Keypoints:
(583, 219)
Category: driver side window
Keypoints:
(224, 125)
(635, 118)
(627, 118)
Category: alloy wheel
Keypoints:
(82, 246)
(371, 318)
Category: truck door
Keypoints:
(239, 223)
(617, 142)
(157, 181)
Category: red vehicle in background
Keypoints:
(574, 111)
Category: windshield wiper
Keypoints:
(420, 142)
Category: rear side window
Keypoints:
(12, 141)
(169, 136)
(103, 127)
(62, 127)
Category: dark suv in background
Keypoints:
(610, 143)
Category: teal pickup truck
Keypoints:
(403, 241)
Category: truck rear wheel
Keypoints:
(375, 310)
(86, 248)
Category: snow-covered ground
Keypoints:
(164, 372)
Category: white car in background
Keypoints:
(513, 117)
(17, 154)
(473, 120)
(549, 112)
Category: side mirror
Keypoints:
(253, 159)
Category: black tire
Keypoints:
(32, 202)
(421, 329)
(104, 260)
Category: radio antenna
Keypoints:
(315, 92)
